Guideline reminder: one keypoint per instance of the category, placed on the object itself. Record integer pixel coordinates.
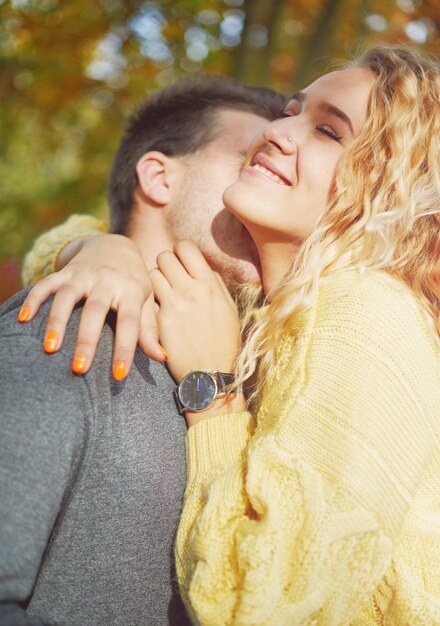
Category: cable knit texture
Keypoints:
(40, 261)
(325, 509)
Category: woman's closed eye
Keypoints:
(329, 132)
(324, 129)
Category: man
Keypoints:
(92, 470)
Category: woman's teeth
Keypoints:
(269, 174)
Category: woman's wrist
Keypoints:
(68, 250)
(231, 403)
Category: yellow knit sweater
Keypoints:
(327, 511)
(40, 261)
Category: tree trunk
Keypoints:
(318, 43)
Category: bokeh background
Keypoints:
(71, 71)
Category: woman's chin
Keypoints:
(237, 199)
(230, 196)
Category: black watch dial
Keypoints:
(197, 390)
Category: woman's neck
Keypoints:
(276, 259)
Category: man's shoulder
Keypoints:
(9, 310)
(146, 378)
(30, 369)
(36, 328)
(39, 393)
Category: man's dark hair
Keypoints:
(179, 120)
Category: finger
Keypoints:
(161, 287)
(39, 294)
(192, 260)
(172, 268)
(91, 323)
(59, 315)
(225, 289)
(127, 336)
(149, 334)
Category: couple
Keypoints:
(321, 507)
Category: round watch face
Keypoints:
(197, 390)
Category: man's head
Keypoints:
(181, 149)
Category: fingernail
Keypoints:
(24, 314)
(119, 370)
(79, 364)
(51, 341)
(163, 352)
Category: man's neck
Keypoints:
(150, 234)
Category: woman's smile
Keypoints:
(264, 167)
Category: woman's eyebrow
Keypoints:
(300, 96)
(330, 108)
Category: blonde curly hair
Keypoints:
(385, 209)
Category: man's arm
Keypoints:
(43, 415)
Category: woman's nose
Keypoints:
(281, 134)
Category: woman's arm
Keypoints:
(108, 272)
(299, 525)
(55, 248)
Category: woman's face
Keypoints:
(285, 185)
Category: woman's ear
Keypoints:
(154, 172)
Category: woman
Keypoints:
(325, 513)
(323, 506)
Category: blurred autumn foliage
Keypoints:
(72, 70)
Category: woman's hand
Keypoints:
(197, 318)
(109, 272)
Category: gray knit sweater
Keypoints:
(92, 474)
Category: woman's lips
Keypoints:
(264, 168)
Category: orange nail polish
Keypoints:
(51, 341)
(119, 370)
(24, 314)
(163, 352)
(79, 364)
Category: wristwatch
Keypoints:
(198, 390)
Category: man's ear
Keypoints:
(155, 172)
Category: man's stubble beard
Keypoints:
(223, 240)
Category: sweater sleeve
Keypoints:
(297, 523)
(40, 260)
